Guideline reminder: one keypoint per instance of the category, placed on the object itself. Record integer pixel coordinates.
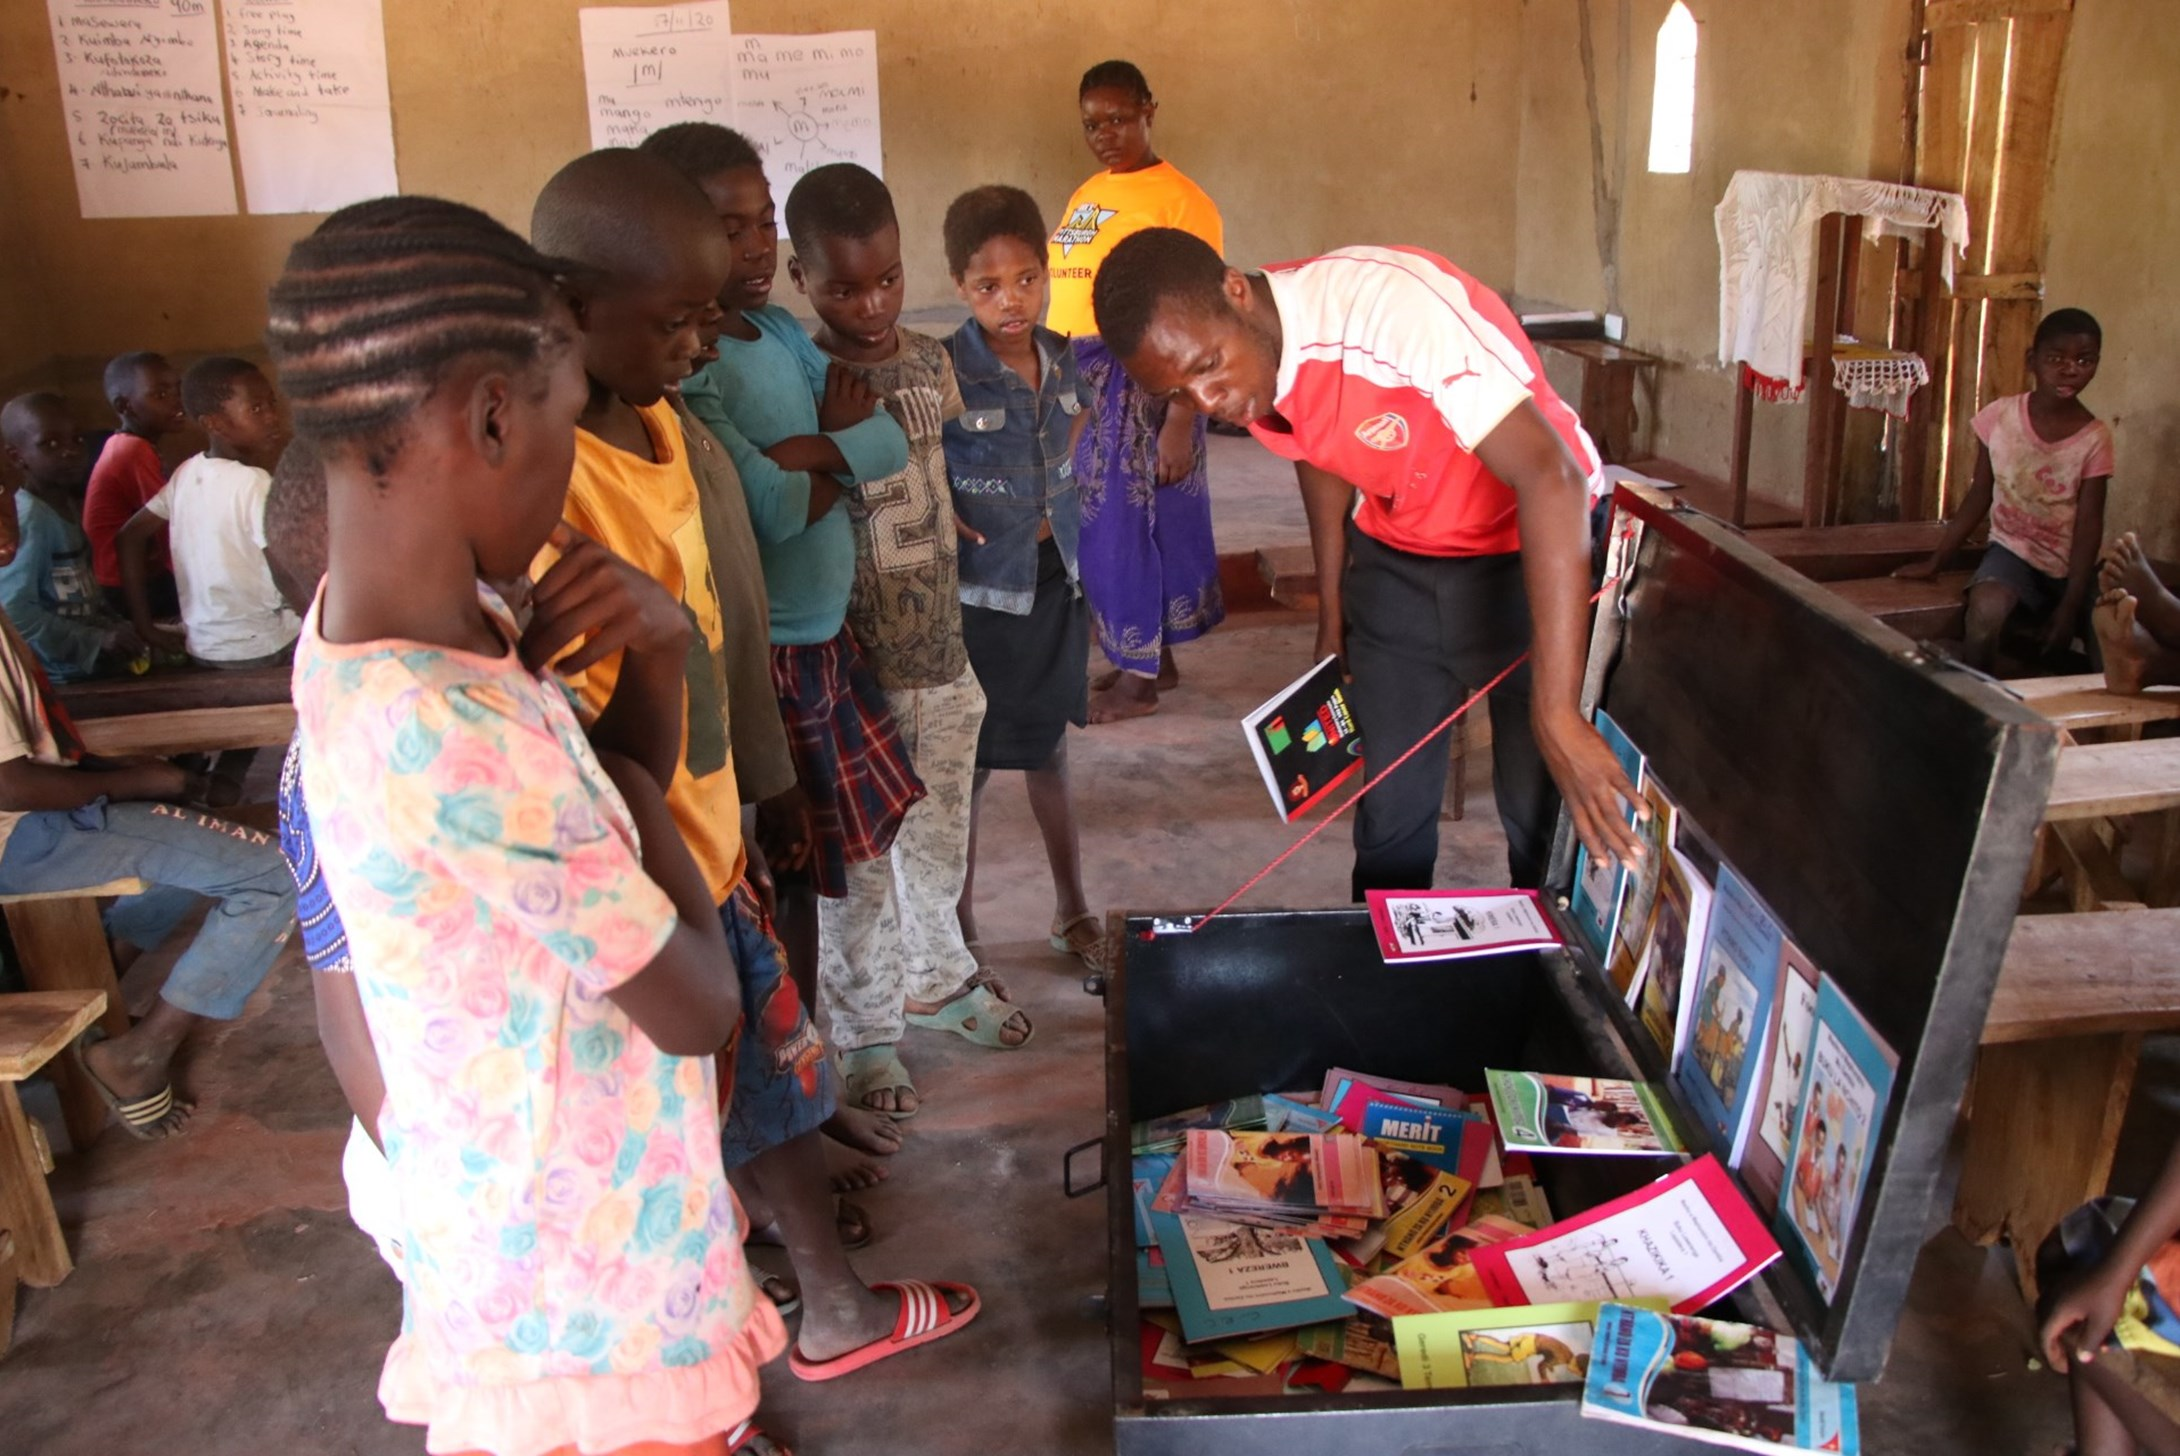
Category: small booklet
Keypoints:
(1689, 1238)
(1727, 1040)
(1542, 1112)
(1778, 1091)
(1420, 1200)
(1537, 1344)
(1363, 1342)
(1443, 1276)
(1339, 1081)
(1841, 1107)
(1733, 1385)
(1232, 1279)
(1631, 939)
(1453, 1141)
(1681, 923)
(1292, 1176)
(1167, 1134)
(1305, 739)
(1449, 925)
(1595, 904)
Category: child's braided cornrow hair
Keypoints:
(374, 305)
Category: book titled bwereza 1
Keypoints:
(1305, 739)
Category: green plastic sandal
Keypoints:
(872, 1069)
(977, 1015)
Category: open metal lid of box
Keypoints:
(1882, 802)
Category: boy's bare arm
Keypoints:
(346, 1038)
(1973, 508)
(2081, 571)
(133, 545)
(27, 787)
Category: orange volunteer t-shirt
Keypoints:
(646, 513)
(1106, 209)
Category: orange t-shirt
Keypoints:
(646, 513)
(1106, 209)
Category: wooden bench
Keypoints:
(2074, 999)
(2109, 780)
(35, 1027)
(2080, 702)
(61, 943)
(1849, 553)
(186, 710)
(1921, 610)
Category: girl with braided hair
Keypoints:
(535, 951)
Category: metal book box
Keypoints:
(1883, 804)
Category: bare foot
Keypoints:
(865, 1130)
(2126, 646)
(1169, 675)
(132, 1078)
(851, 1318)
(2126, 567)
(855, 1175)
(1129, 696)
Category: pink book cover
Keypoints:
(1689, 1238)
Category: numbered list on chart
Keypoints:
(141, 96)
(647, 68)
(312, 112)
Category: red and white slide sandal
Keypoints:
(924, 1317)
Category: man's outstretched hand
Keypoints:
(1594, 785)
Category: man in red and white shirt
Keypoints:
(1390, 373)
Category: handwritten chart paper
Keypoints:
(140, 91)
(806, 100)
(649, 67)
(312, 118)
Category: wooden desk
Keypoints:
(187, 710)
(1607, 396)
(1917, 609)
(2106, 780)
(2080, 701)
(1849, 553)
(34, 1028)
(2053, 1079)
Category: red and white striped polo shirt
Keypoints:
(1395, 366)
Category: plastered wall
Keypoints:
(1312, 122)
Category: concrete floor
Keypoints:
(224, 1304)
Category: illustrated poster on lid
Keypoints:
(312, 116)
(144, 107)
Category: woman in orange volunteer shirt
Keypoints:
(1149, 565)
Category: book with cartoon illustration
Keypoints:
(1446, 925)
(1441, 1276)
(1689, 1237)
(1294, 1177)
(1711, 1380)
(1778, 1093)
(1537, 1344)
(1544, 1112)
(1841, 1107)
(1232, 1279)
(1728, 1035)
(1595, 904)
(1305, 739)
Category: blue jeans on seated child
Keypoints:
(184, 854)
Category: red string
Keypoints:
(1368, 784)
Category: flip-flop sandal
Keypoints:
(870, 1069)
(785, 1299)
(743, 1438)
(1091, 951)
(138, 1117)
(977, 1015)
(924, 1317)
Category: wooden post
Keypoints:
(1744, 423)
(1933, 327)
(26, 1208)
(1818, 459)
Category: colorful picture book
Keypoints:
(1445, 925)
(1778, 1093)
(1452, 1141)
(1730, 1384)
(1688, 1238)
(1595, 904)
(1420, 1200)
(1538, 1344)
(1442, 1276)
(1543, 1112)
(1310, 1182)
(1167, 1134)
(1305, 739)
(1631, 938)
(1664, 988)
(1735, 984)
(1231, 1279)
(1363, 1342)
(1842, 1104)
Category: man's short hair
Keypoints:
(1147, 271)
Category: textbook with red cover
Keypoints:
(1689, 1238)
(1305, 739)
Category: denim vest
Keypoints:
(1011, 469)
